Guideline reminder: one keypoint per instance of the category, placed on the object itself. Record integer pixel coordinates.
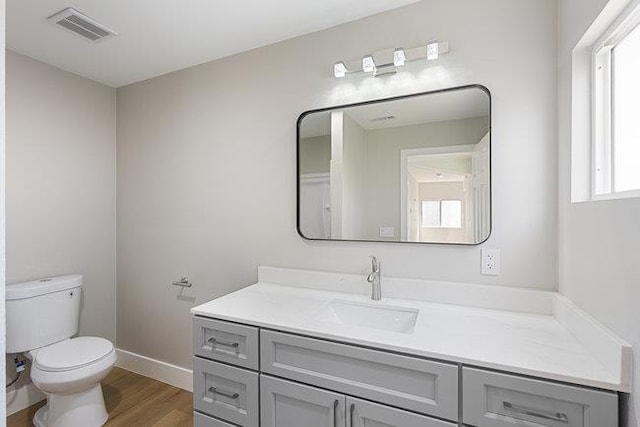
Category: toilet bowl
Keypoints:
(42, 317)
(69, 373)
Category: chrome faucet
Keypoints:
(374, 279)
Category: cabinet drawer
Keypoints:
(225, 341)
(225, 392)
(407, 382)
(361, 413)
(201, 420)
(499, 400)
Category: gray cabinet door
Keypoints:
(361, 413)
(288, 404)
(413, 383)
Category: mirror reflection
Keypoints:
(410, 169)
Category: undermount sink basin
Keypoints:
(372, 316)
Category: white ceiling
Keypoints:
(156, 37)
(436, 107)
(449, 167)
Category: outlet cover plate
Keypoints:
(490, 259)
(387, 232)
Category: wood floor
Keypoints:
(132, 401)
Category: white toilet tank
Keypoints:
(42, 312)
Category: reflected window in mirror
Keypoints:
(407, 169)
(442, 213)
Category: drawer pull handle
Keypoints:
(351, 409)
(213, 341)
(335, 412)
(224, 393)
(560, 417)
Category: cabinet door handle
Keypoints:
(558, 416)
(228, 394)
(335, 412)
(213, 341)
(352, 408)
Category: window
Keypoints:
(616, 141)
(442, 213)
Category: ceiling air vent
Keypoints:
(382, 119)
(72, 20)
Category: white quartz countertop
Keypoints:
(524, 343)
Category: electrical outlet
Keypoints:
(387, 232)
(490, 262)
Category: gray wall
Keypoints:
(315, 154)
(206, 161)
(60, 184)
(599, 241)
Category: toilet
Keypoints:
(42, 320)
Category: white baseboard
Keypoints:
(152, 368)
(23, 397)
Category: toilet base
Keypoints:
(41, 416)
(71, 410)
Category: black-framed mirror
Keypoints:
(413, 168)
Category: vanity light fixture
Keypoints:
(399, 57)
(389, 61)
(368, 64)
(339, 69)
(432, 50)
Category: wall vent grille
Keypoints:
(82, 25)
(382, 119)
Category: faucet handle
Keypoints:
(375, 265)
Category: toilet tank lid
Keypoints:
(42, 286)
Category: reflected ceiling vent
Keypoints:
(382, 119)
(90, 29)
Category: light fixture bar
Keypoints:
(388, 61)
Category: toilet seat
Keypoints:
(72, 354)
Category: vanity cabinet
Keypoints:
(286, 403)
(256, 377)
